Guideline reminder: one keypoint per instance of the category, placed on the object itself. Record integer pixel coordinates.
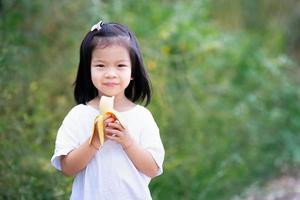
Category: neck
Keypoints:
(121, 103)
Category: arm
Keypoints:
(141, 158)
(78, 159)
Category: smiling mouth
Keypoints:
(110, 84)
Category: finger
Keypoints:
(112, 132)
(107, 121)
(113, 138)
(115, 125)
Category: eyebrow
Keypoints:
(118, 61)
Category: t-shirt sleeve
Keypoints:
(151, 141)
(66, 139)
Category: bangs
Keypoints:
(102, 42)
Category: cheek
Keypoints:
(129, 76)
(94, 76)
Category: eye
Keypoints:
(99, 65)
(121, 65)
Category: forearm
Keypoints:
(77, 159)
(142, 159)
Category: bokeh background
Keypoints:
(226, 90)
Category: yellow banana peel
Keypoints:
(106, 107)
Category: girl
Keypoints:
(110, 64)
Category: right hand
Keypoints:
(96, 141)
(107, 119)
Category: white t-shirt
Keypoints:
(110, 175)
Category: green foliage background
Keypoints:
(225, 79)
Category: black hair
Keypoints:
(139, 89)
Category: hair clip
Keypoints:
(97, 26)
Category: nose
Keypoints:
(110, 73)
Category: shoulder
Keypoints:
(79, 112)
(144, 115)
(141, 110)
(76, 110)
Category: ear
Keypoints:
(131, 78)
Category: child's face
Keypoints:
(111, 70)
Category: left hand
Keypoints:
(115, 132)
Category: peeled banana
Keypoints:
(106, 107)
